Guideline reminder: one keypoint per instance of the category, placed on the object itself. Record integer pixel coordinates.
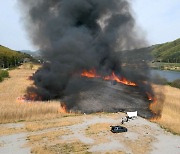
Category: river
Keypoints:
(169, 75)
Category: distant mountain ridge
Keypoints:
(32, 53)
(167, 52)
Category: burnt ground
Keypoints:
(96, 95)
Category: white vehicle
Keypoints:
(130, 115)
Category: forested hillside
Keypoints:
(10, 58)
(168, 52)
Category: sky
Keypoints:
(158, 19)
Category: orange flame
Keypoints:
(120, 80)
(63, 108)
(32, 97)
(21, 99)
(150, 98)
(153, 107)
(92, 74)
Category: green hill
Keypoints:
(10, 58)
(168, 52)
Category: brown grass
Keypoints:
(97, 128)
(8, 131)
(62, 122)
(170, 116)
(11, 110)
(64, 148)
(41, 143)
(47, 137)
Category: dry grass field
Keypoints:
(13, 110)
(170, 116)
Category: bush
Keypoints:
(3, 74)
(175, 83)
(1, 79)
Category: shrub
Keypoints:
(175, 83)
(1, 79)
(3, 74)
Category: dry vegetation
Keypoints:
(170, 116)
(11, 110)
(43, 143)
(61, 122)
(8, 131)
(65, 148)
(97, 128)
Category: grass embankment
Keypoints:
(175, 83)
(170, 117)
(12, 110)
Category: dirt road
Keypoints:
(87, 134)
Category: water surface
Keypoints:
(169, 75)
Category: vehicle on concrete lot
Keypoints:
(118, 129)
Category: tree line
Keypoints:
(11, 58)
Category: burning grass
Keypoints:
(170, 116)
(15, 86)
(113, 77)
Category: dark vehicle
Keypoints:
(118, 129)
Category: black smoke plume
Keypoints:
(77, 35)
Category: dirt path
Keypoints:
(92, 133)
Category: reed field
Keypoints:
(169, 97)
(14, 110)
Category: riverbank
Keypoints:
(165, 66)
